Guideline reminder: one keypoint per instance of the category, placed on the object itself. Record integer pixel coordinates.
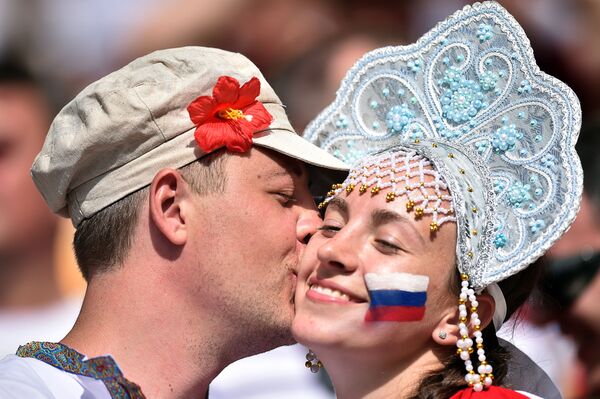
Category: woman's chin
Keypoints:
(312, 334)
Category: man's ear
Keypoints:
(446, 331)
(168, 205)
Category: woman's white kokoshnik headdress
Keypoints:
(469, 97)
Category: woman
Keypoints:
(424, 247)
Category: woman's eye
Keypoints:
(329, 230)
(388, 246)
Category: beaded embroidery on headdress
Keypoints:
(470, 98)
(404, 174)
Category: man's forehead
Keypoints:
(281, 166)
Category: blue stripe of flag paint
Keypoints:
(397, 298)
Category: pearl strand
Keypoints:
(483, 377)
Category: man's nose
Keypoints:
(308, 223)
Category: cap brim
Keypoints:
(292, 145)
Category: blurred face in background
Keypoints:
(25, 220)
(581, 319)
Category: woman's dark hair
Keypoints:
(444, 383)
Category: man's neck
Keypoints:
(27, 279)
(157, 346)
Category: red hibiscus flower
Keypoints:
(230, 117)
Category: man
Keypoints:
(31, 304)
(188, 234)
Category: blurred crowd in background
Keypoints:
(50, 50)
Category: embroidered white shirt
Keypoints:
(33, 379)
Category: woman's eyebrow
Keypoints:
(383, 216)
(339, 204)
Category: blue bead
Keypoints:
(505, 138)
(500, 240)
(481, 146)
(414, 66)
(463, 98)
(484, 32)
(549, 161)
(499, 186)
(342, 122)
(518, 194)
(537, 225)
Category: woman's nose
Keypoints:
(340, 252)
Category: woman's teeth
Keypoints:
(329, 292)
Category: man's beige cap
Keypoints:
(115, 135)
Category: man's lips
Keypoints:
(293, 277)
(328, 291)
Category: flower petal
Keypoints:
(241, 140)
(217, 133)
(201, 109)
(248, 92)
(226, 90)
(261, 118)
(212, 135)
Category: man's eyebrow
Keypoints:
(275, 174)
(338, 204)
(296, 168)
(383, 216)
(292, 169)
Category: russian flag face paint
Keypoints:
(396, 296)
